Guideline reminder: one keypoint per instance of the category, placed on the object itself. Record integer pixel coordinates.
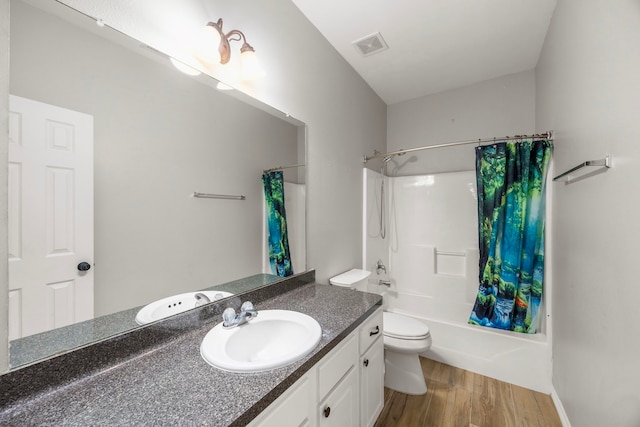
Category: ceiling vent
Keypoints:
(370, 44)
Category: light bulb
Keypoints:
(251, 69)
(222, 86)
(187, 69)
(206, 46)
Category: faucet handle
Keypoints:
(228, 316)
(247, 306)
(201, 299)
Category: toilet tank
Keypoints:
(354, 279)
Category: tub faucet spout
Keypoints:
(386, 283)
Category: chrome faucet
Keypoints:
(230, 319)
(201, 299)
(380, 268)
(386, 283)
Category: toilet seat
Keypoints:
(414, 347)
(404, 327)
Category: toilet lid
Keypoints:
(403, 327)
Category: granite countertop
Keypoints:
(40, 346)
(170, 383)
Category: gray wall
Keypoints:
(588, 90)
(498, 107)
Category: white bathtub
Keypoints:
(520, 359)
(431, 257)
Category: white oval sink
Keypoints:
(273, 339)
(174, 304)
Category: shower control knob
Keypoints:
(84, 266)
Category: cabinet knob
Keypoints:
(327, 411)
(365, 362)
(374, 331)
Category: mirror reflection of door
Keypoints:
(50, 217)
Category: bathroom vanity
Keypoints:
(344, 389)
(155, 375)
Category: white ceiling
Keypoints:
(434, 45)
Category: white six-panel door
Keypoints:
(50, 217)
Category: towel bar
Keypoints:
(217, 196)
(606, 162)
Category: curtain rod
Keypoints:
(546, 135)
(279, 168)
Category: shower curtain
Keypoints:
(279, 255)
(511, 180)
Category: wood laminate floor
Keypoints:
(459, 398)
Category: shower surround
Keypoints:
(431, 254)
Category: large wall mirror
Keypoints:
(112, 219)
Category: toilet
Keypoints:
(404, 339)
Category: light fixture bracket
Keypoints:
(224, 49)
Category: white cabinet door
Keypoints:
(340, 408)
(336, 364)
(372, 383)
(50, 216)
(295, 408)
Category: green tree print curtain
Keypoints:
(279, 256)
(511, 180)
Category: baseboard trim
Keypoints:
(559, 408)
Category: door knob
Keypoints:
(84, 266)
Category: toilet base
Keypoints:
(403, 373)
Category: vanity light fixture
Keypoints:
(214, 36)
(223, 86)
(187, 69)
